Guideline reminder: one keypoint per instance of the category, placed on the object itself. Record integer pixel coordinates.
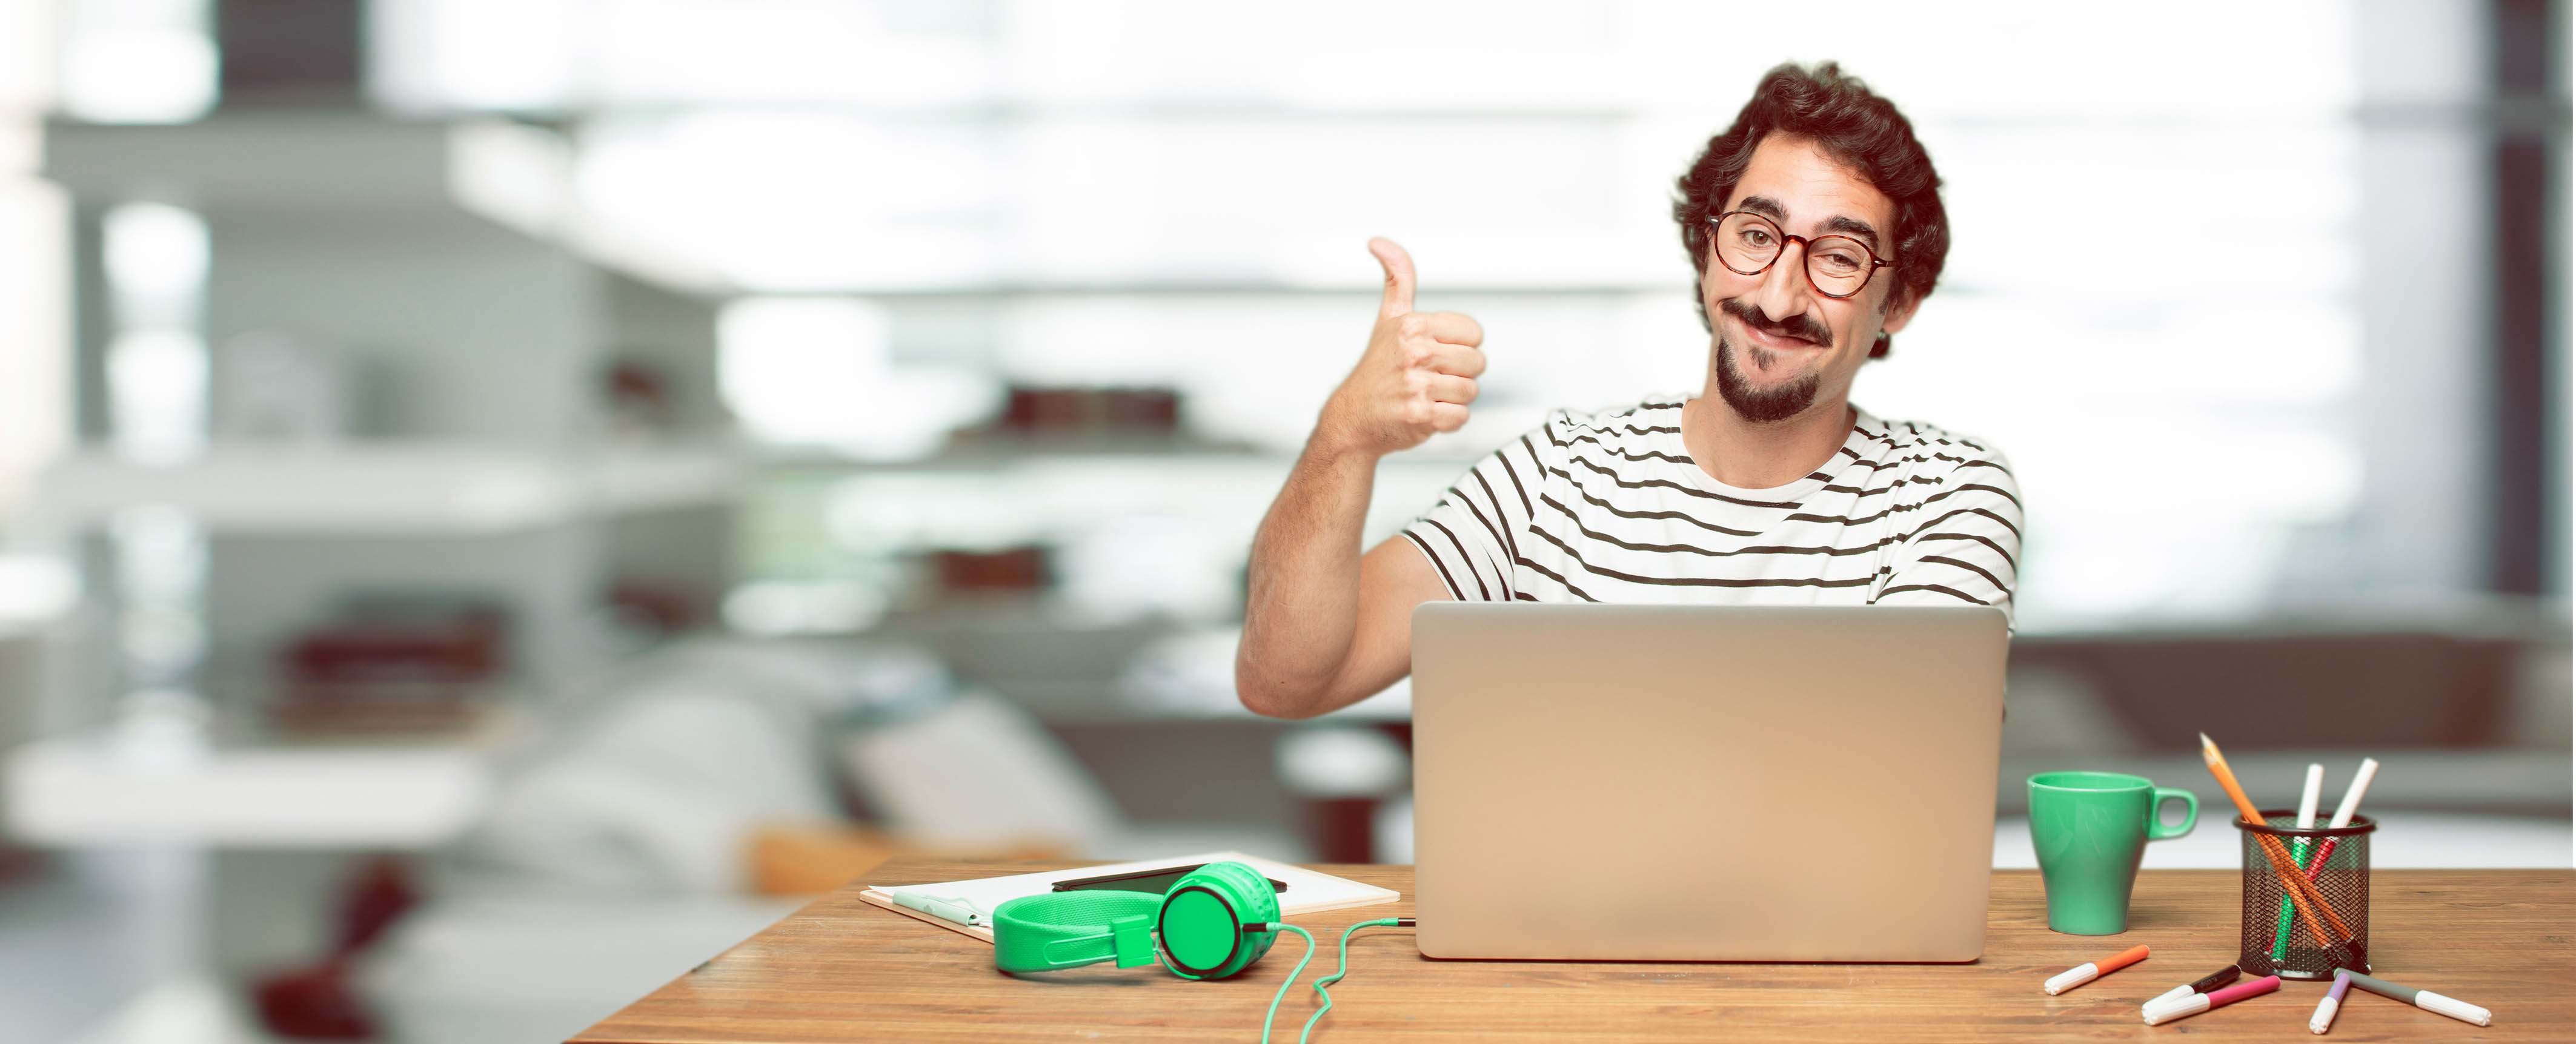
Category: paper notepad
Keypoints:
(1308, 891)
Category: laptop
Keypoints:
(1704, 783)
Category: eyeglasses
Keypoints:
(1837, 266)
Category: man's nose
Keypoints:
(1783, 293)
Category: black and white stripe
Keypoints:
(1609, 507)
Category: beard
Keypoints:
(1765, 405)
(1760, 405)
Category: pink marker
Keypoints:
(2185, 1007)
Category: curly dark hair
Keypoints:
(1840, 115)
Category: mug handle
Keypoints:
(2156, 830)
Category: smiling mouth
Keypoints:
(1775, 340)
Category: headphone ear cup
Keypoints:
(1202, 917)
(1260, 904)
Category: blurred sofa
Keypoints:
(618, 853)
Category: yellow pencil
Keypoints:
(2301, 891)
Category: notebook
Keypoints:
(1307, 891)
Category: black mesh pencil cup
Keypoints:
(2336, 860)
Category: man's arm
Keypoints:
(1965, 545)
(1325, 626)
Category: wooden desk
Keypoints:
(843, 970)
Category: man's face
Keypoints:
(1780, 349)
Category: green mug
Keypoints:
(2090, 828)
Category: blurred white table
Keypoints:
(91, 789)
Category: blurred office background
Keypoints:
(501, 498)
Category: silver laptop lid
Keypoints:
(1636, 782)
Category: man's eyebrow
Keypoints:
(1854, 228)
(1765, 206)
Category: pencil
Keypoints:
(2301, 891)
(2298, 887)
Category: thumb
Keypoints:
(1399, 277)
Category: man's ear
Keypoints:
(1900, 310)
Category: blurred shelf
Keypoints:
(987, 453)
(304, 158)
(390, 488)
(93, 790)
(1370, 289)
(1083, 703)
(984, 451)
(2493, 780)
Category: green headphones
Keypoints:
(1213, 922)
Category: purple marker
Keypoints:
(2324, 1018)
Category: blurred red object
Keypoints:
(313, 1004)
(1123, 410)
(392, 664)
(1025, 568)
(316, 1002)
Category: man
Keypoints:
(1816, 226)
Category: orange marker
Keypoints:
(2084, 973)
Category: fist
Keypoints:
(1416, 377)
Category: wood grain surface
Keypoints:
(843, 970)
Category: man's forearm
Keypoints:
(1302, 603)
(1301, 613)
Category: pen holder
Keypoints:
(2341, 873)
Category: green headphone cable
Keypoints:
(1292, 975)
(1345, 968)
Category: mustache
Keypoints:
(1801, 326)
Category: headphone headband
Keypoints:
(1036, 933)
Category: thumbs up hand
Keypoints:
(1416, 377)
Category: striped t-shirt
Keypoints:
(1609, 507)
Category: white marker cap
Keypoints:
(2352, 797)
(2324, 1017)
(2175, 993)
(2453, 1007)
(2071, 978)
(2159, 1014)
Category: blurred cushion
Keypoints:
(978, 771)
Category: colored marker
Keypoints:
(2084, 973)
(2343, 813)
(2200, 1002)
(2204, 984)
(2324, 1018)
(2425, 999)
(2298, 854)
